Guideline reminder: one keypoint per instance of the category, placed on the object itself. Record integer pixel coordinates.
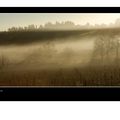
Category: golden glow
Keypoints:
(23, 19)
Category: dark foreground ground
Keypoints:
(87, 76)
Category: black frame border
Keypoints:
(86, 93)
(60, 94)
(59, 9)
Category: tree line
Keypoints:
(63, 26)
(48, 26)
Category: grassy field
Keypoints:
(21, 38)
(52, 66)
(26, 37)
(87, 76)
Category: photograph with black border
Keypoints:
(59, 53)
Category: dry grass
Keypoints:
(87, 76)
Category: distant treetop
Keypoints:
(66, 25)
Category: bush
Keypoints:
(3, 62)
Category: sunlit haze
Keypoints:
(8, 20)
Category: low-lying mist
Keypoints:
(68, 58)
(48, 55)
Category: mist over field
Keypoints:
(54, 52)
(60, 53)
(44, 55)
(82, 57)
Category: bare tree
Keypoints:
(99, 50)
(103, 46)
(117, 45)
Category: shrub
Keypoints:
(3, 62)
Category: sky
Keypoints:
(8, 20)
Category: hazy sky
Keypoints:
(23, 19)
